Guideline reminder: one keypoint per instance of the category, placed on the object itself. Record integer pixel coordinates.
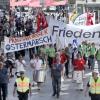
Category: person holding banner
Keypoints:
(41, 21)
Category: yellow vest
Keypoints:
(94, 86)
(22, 85)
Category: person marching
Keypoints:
(4, 80)
(51, 55)
(56, 73)
(93, 86)
(98, 58)
(93, 51)
(38, 66)
(78, 71)
(20, 65)
(23, 86)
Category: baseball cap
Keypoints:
(22, 72)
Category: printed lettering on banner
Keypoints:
(20, 43)
(69, 32)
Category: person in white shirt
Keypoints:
(32, 61)
(38, 63)
(20, 65)
(32, 65)
(37, 66)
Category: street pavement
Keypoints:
(68, 88)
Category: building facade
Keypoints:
(4, 4)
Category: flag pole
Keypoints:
(67, 15)
(67, 18)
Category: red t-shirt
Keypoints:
(63, 58)
(79, 64)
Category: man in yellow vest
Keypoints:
(23, 86)
(94, 86)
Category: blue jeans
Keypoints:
(3, 91)
(92, 62)
(56, 83)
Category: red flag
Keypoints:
(89, 19)
(38, 22)
(41, 21)
(44, 21)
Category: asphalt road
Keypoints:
(68, 88)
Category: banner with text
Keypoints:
(69, 32)
(19, 43)
(57, 32)
(80, 19)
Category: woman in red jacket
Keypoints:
(78, 71)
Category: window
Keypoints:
(94, 0)
(96, 16)
(71, 1)
(80, 8)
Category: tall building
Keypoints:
(92, 5)
(4, 4)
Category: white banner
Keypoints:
(80, 19)
(58, 32)
(70, 33)
(20, 43)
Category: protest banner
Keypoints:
(79, 19)
(19, 43)
(70, 32)
(57, 32)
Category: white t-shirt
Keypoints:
(38, 64)
(20, 66)
(75, 55)
(32, 62)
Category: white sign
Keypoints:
(81, 19)
(71, 32)
(16, 44)
(57, 32)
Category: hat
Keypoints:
(95, 71)
(22, 72)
